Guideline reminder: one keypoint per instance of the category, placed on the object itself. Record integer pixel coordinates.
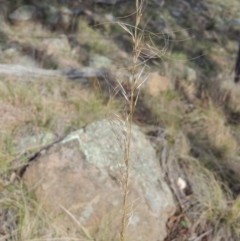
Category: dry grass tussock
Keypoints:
(206, 127)
(161, 105)
(232, 95)
(211, 130)
(27, 218)
(207, 204)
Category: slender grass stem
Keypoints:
(136, 39)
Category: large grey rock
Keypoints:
(82, 176)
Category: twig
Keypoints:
(202, 235)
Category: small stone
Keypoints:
(13, 177)
(99, 61)
(58, 45)
(65, 10)
(24, 13)
(181, 183)
(190, 74)
(157, 83)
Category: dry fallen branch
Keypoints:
(31, 72)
